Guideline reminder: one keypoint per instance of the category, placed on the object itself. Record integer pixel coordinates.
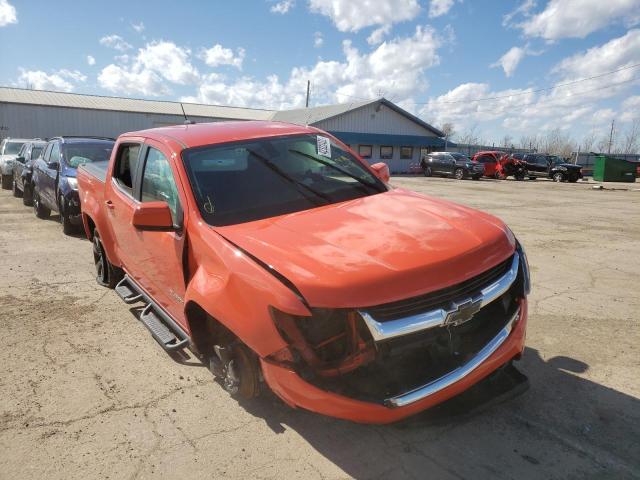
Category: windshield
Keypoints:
(460, 157)
(77, 154)
(12, 148)
(245, 181)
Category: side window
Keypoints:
(124, 170)
(35, 152)
(55, 153)
(158, 183)
(47, 152)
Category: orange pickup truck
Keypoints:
(280, 257)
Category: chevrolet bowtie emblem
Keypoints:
(462, 311)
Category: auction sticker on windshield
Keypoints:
(324, 146)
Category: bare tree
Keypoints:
(558, 143)
(588, 142)
(631, 140)
(469, 136)
(529, 142)
(449, 130)
(507, 141)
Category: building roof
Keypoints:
(300, 116)
(97, 102)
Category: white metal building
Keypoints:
(378, 130)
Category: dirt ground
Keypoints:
(86, 393)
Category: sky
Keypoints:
(491, 67)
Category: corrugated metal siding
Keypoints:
(367, 120)
(22, 120)
(73, 100)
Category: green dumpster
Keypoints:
(611, 169)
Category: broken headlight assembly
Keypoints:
(330, 342)
(524, 274)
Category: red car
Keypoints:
(283, 260)
(490, 161)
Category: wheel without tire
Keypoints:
(427, 171)
(106, 274)
(16, 192)
(7, 180)
(39, 209)
(558, 177)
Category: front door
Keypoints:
(162, 252)
(50, 177)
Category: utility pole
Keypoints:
(611, 134)
(308, 91)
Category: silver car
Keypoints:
(9, 149)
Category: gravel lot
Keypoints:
(85, 392)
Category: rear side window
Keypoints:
(47, 152)
(158, 183)
(36, 152)
(55, 153)
(124, 170)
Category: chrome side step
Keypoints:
(164, 329)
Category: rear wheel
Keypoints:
(6, 182)
(38, 208)
(107, 275)
(458, 173)
(558, 177)
(15, 190)
(573, 179)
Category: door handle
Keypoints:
(110, 204)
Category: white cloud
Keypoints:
(579, 18)
(524, 9)
(218, 55)
(510, 60)
(116, 42)
(145, 73)
(283, 6)
(395, 68)
(377, 36)
(438, 8)
(318, 39)
(630, 108)
(61, 80)
(349, 15)
(7, 13)
(138, 27)
(91, 60)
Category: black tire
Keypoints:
(427, 171)
(532, 178)
(67, 227)
(14, 189)
(27, 196)
(7, 181)
(558, 177)
(458, 173)
(573, 179)
(107, 275)
(38, 208)
(519, 177)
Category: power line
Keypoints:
(499, 97)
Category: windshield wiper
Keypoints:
(335, 167)
(296, 183)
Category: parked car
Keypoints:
(450, 164)
(55, 187)
(282, 258)
(511, 165)
(540, 165)
(23, 169)
(9, 149)
(489, 159)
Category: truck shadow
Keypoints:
(564, 426)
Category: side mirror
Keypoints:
(381, 170)
(153, 216)
(52, 165)
(20, 159)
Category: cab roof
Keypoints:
(200, 134)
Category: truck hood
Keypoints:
(4, 158)
(376, 249)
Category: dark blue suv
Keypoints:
(55, 187)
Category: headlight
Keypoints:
(524, 268)
(73, 183)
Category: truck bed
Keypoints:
(96, 169)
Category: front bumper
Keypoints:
(6, 167)
(505, 346)
(71, 206)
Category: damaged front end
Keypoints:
(400, 353)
